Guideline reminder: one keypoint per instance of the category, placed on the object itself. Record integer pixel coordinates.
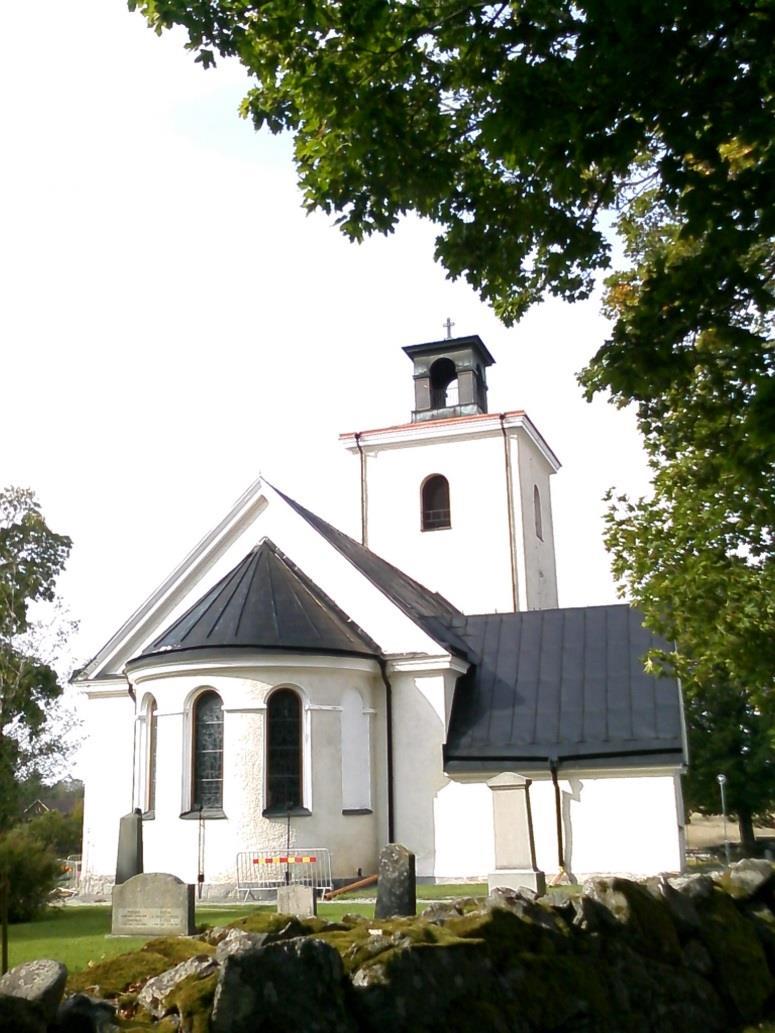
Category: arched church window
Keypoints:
(443, 383)
(435, 503)
(283, 751)
(537, 512)
(149, 790)
(207, 752)
(356, 753)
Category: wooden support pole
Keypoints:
(361, 884)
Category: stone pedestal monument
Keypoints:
(515, 854)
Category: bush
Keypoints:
(61, 833)
(32, 871)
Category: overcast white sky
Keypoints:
(172, 323)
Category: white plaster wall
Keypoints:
(617, 823)
(537, 564)
(170, 842)
(418, 734)
(611, 824)
(468, 562)
(108, 785)
(465, 840)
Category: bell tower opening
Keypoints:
(449, 378)
(443, 384)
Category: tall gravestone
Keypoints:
(154, 904)
(130, 846)
(515, 854)
(396, 885)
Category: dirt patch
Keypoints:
(706, 831)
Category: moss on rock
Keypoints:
(645, 918)
(128, 972)
(567, 992)
(425, 987)
(740, 966)
(193, 999)
(505, 934)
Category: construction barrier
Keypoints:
(261, 872)
(69, 872)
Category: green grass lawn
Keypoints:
(79, 935)
(442, 891)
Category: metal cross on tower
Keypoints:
(449, 324)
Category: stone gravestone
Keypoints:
(154, 904)
(130, 846)
(296, 899)
(515, 854)
(396, 888)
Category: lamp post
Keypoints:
(722, 781)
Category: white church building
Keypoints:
(287, 685)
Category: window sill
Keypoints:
(286, 812)
(206, 814)
(357, 810)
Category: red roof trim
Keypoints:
(436, 423)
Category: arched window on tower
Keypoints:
(149, 759)
(283, 751)
(435, 503)
(444, 387)
(537, 513)
(207, 782)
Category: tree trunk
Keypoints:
(747, 838)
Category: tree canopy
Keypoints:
(31, 558)
(521, 129)
(730, 736)
(547, 140)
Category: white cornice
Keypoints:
(429, 431)
(427, 664)
(243, 666)
(113, 688)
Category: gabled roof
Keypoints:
(430, 610)
(566, 684)
(265, 602)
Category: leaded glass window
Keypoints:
(283, 754)
(208, 752)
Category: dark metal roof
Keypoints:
(567, 684)
(451, 344)
(430, 610)
(265, 602)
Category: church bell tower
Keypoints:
(449, 378)
(459, 498)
